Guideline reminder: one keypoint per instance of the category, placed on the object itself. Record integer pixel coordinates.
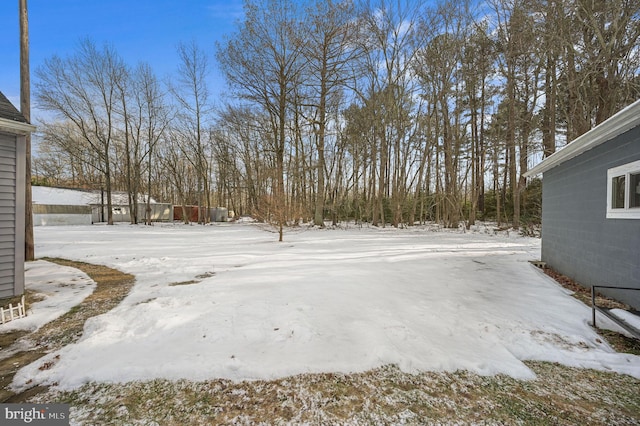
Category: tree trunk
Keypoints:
(511, 146)
(318, 218)
(107, 178)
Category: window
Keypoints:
(623, 191)
(634, 190)
(617, 192)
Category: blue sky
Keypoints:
(140, 30)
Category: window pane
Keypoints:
(617, 192)
(634, 189)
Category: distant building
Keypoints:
(64, 206)
(13, 132)
(591, 206)
(192, 213)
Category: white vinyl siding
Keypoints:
(8, 167)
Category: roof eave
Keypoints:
(16, 127)
(617, 124)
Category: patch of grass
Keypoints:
(559, 395)
(197, 280)
(184, 283)
(10, 365)
(620, 342)
(10, 301)
(33, 297)
(208, 274)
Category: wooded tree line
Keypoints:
(388, 112)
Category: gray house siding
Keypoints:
(577, 238)
(12, 189)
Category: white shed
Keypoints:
(65, 206)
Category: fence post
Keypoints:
(593, 305)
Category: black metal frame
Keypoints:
(631, 329)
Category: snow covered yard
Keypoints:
(229, 302)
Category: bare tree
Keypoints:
(155, 118)
(82, 89)
(553, 30)
(192, 95)
(146, 116)
(65, 158)
(477, 68)
(263, 64)
(602, 60)
(176, 168)
(520, 66)
(329, 51)
(440, 69)
(243, 132)
(391, 39)
(131, 164)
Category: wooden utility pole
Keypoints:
(25, 109)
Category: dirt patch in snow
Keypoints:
(112, 286)
(583, 293)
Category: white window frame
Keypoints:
(626, 212)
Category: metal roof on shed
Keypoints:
(79, 197)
